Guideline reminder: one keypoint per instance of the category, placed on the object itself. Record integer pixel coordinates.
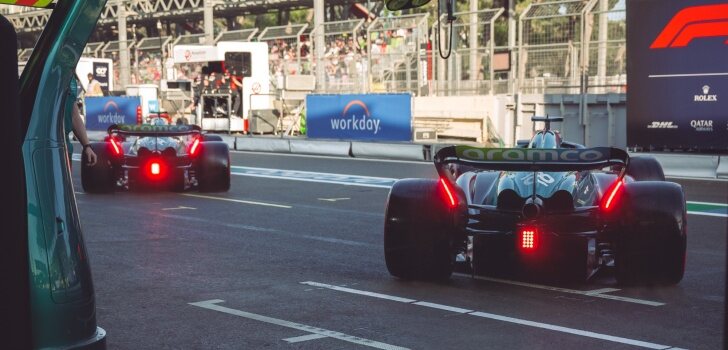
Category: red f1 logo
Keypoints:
(692, 23)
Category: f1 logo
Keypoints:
(693, 23)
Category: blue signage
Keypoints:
(376, 117)
(102, 112)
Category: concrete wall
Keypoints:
(508, 117)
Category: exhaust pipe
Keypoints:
(532, 208)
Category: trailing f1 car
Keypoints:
(174, 157)
(548, 208)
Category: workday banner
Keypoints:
(102, 112)
(375, 117)
(677, 71)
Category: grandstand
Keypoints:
(559, 43)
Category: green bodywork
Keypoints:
(63, 311)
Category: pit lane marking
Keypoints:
(496, 317)
(597, 293)
(180, 208)
(238, 201)
(303, 338)
(317, 332)
(309, 176)
(333, 199)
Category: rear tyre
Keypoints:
(645, 168)
(651, 249)
(213, 168)
(98, 178)
(418, 231)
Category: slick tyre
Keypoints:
(213, 168)
(98, 178)
(651, 247)
(645, 168)
(417, 231)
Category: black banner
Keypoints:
(101, 73)
(677, 71)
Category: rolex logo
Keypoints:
(706, 89)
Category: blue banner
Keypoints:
(376, 117)
(102, 112)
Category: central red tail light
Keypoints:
(116, 147)
(154, 168)
(528, 238)
(449, 194)
(611, 196)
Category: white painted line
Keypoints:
(180, 208)
(238, 201)
(303, 338)
(696, 178)
(602, 291)
(212, 305)
(573, 331)
(443, 307)
(335, 157)
(333, 199)
(709, 203)
(687, 75)
(597, 293)
(312, 180)
(79, 192)
(502, 318)
(360, 292)
(717, 215)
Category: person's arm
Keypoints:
(80, 131)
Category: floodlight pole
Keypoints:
(123, 48)
(208, 19)
(319, 42)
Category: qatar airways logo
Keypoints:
(516, 154)
(111, 114)
(692, 23)
(356, 117)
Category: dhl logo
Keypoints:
(692, 23)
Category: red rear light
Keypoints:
(611, 196)
(115, 146)
(528, 238)
(448, 193)
(154, 168)
(195, 147)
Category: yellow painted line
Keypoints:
(238, 201)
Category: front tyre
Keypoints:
(418, 231)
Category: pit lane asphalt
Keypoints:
(152, 256)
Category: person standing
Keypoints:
(94, 87)
(72, 122)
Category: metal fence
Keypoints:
(111, 50)
(286, 45)
(550, 51)
(397, 48)
(608, 47)
(343, 64)
(237, 35)
(469, 70)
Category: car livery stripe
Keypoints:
(33, 3)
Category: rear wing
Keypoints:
(531, 159)
(148, 130)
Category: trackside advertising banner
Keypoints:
(101, 74)
(102, 112)
(677, 71)
(376, 117)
